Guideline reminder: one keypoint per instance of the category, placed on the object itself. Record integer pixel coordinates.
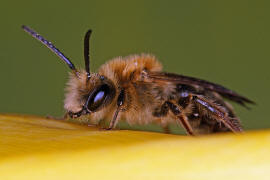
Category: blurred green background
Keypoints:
(226, 42)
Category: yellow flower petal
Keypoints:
(38, 148)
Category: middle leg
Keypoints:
(181, 117)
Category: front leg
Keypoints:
(67, 115)
(74, 114)
(120, 103)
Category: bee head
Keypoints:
(88, 93)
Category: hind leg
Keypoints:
(216, 112)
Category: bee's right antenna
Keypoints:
(86, 53)
(51, 47)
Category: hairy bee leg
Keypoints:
(66, 115)
(184, 122)
(101, 124)
(220, 114)
(161, 112)
(120, 103)
(181, 117)
(74, 115)
(114, 121)
(166, 129)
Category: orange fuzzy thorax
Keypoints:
(124, 69)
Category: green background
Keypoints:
(226, 42)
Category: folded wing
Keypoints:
(181, 79)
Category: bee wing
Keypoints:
(180, 79)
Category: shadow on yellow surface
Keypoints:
(38, 148)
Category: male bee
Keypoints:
(135, 89)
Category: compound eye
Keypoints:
(98, 98)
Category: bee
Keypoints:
(135, 89)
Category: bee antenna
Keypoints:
(51, 47)
(86, 52)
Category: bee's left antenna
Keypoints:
(86, 53)
(50, 46)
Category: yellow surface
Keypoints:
(37, 148)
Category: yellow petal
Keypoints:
(38, 148)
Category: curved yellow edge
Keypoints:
(38, 148)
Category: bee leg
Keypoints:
(101, 124)
(120, 103)
(74, 115)
(161, 112)
(114, 121)
(166, 129)
(183, 120)
(217, 112)
(67, 115)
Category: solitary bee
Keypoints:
(135, 89)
